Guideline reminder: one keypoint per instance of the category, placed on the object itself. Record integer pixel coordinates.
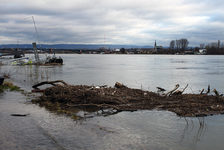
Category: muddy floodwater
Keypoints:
(159, 130)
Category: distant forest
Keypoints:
(215, 48)
(181, 45)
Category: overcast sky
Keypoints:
(137, 22)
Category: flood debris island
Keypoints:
(121, 98)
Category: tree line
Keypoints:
(214, 48)
(179, 45)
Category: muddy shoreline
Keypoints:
(67, 98)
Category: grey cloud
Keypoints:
(122, 22)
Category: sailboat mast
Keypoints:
(35, 27)
(34, 44)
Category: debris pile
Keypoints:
(122, 98)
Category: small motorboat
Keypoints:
(54, 60)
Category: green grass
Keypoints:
(8, 86)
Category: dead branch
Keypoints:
(160, 89)
(216, 92)
(202, 91)
(185, 88)
(170, 92)
(178, 92)
(103, 86)
(208, 91)
(48, 82)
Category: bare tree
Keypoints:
(213, 45)
(222, 45)
(172, 44)
(184, 44)
(219, 43)
(202, 46)
(178, 44)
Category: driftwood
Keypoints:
(185, 88)
(170, 92)
(208, 91)
(178, 92)
(48, 82)
(216, 92)
(160, 89)
(202, 91)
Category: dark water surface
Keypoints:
(158, 130)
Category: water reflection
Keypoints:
(196, 127)
(26, 76)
